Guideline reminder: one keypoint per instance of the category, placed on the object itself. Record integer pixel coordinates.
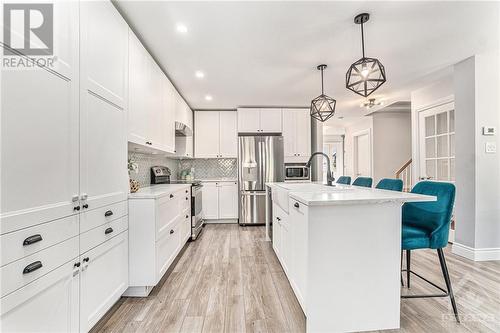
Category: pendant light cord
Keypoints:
(322, 90)
(362, 39)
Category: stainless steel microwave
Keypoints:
(296, 171)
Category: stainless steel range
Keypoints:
(161, 175)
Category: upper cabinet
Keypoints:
(152, 110)
(215, 134)
(296, 135)
(252, 120)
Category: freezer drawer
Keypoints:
(252, 208)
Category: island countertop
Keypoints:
(316, 194)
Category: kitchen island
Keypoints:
(340, 248)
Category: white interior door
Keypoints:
(362, 155)
(437, 143)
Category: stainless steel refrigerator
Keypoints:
(260, 160)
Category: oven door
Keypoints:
(196, 200)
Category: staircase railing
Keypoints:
(404, 173)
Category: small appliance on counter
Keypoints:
(161, 175)
(297, 172)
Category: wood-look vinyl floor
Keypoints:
(229, 280)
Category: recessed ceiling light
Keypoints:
(199, 74)
(181, 28)
(208, 97)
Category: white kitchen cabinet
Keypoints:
(296, 135)
(104, 278)
(215, 134)
(282, 242)
(210, 200)
(184, 146)
(266, 120)
(158, 230)
(228, 200)
(48, 304)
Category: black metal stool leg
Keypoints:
(447, 280)
(408, 261)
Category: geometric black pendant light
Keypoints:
(323, 106)
(367, 74)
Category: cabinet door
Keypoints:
(228, 200)
(270, 120)
(104, 51)
(206, 134)
(39, 131)
(168, 111)
(248, 120)
(48, 304)
(66, 38)
(210, 201)
(103, 280)
(228, 134)
(303, 133)
(156, 125)
(289, 132)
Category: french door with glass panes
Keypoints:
(437, 143)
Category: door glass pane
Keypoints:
(442, 169)
(452, 121)
(429, 126)
(452, 144)
(430, 147)
(442, 122)
(452, 169)
(430, 168)
(442, 146)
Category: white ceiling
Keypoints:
(265, 53)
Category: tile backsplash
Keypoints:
(146, 161)
(211, 168)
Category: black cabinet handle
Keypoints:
(85, 206)
(76, 208)
(296, 205)
(108, 231)
(76, 265)
(187, 198)
(171, 231)
(32, 267)
(86, 259)
(187, 216)
(171, 195)
(32, 239)
(277, 218)
(108, 213)
(187, 191)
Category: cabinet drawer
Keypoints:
(167, 213)
(102, 233)
(166, 250)
(298, 207)
(96, 217)
(25, 242)
(23, 271)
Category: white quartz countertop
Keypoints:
(157, 191)
(314, 194)
(218, 180)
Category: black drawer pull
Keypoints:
(171, 231)
(171, 195)
(108, 213)
(296, 205)
(187, 216)
(187, 198)
(108, 231)
(32, 267)
(86, 259)
(32, 239)
(76, 208)
(85, 206)
(186, 191)
(76, 265)
(277, 218)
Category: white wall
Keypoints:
(391, 143)
(364, 124)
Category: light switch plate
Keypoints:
(489, 130)
(491, 147)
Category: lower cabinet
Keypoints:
(104, 278)
(48, 304)
(220, 200)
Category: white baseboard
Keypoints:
(468, 252)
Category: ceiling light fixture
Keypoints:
(199, 74)
(181, 28)
(367, 74)
(208, 97)
(323, 106)
(371, 103)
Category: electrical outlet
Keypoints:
(490, 147)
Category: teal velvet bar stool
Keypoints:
(426, 226)
(346, 180)
(363, 181)
(390, 184)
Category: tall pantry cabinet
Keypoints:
(63, 218)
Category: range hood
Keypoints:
(182, 129)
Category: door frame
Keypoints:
(355, 136)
